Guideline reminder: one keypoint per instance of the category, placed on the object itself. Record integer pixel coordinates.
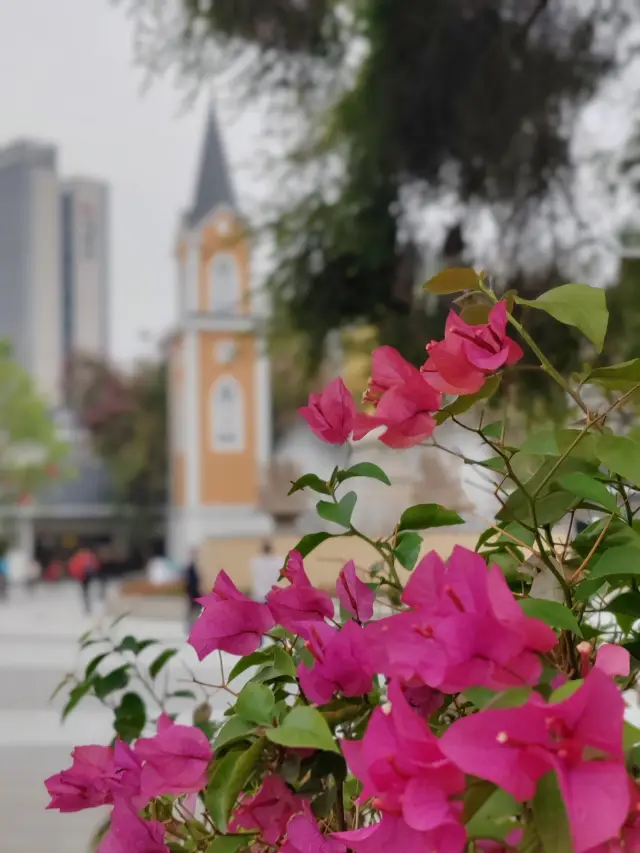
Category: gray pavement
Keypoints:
(38, 646)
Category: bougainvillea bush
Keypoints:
(475, 701)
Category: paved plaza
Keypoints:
(38, 646)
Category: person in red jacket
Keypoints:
(84, 566)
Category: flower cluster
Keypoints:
(405, 398)
(472, 717)
(173, 762)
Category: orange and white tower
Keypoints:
(219, 372)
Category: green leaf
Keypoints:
(585, 590)
(476, 314)
(310, 481)
(627, 604)
(467, 401)
(515, 531)
(229, 843)
(364, 469)
(233, 730)
(453, 280)
(255, 704)
(115, 680)
(476, 795)
(550, 817)
(310, 542)
(493, 430)
(161, 661)
(68, 679)
(620, 455)
(339, 513)
(576, 305)
(283, 662)
(130, 717)
(408, 549)
(551, 613)
(565, 691)
(617, 377)
(229, 778)
(424, 516)
(255, 659)
(304, 726)
(550, 508)
(130, 644)
(624, 560)
(183, 694)
(630, 736)
(542, 443)
(75, 695)
(95, 663)
(633, 648)
(495, 818)
(588, 488)
(483, 698)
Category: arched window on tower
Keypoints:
(227, 416)
(225, 291)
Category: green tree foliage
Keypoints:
(458, 98)
(126, 415)
(30, 451)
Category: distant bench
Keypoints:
(140, 597)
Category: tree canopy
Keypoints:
(470, 104)
(125, 413)
(31, 454)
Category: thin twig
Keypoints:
(595, 547)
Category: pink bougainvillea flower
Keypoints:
(393, 833)
(460, 363)
(86, 784)
(294, 570)
(126, 780)
(404, 402)
(341, 663)
(464, 629)
(400, 764)
(354, 595)
(331, 414)
(269, 811)
(304, 836)
(175, 760)
(229, 621)
(509, 845)
(613, 660)
(128, 833)
(629, 836)
(403, 646)
(388, 370)
(580, 738)
(423, 699)
(300, 603)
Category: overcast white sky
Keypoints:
(67, 75)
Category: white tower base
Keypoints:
(189, 528)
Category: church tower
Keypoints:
(220, 396)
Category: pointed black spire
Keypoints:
(213, 187)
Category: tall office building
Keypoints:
(85, 268)
(30, 293)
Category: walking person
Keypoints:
(192, 588)
(265, 571)
(84, 567)
(4, 573)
